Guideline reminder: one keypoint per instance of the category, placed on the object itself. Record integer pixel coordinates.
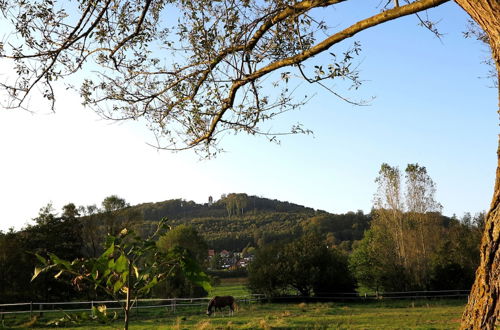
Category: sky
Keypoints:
(432, 106)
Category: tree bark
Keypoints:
(483, 308)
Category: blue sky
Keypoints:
(431, 107)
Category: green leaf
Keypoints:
(41, 259)
(124, 277)
(121, 264)
(151, 284)
(110, 240)
(106, 272)
(58, 274)
(60, 262)
(109, 251)
(117, 286)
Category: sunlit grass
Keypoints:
(368, 315)
(230, 287)
(383, 314)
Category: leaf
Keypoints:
(110, 240)
(117, 286)
(106, 273)
(95, 274)
(60, 262)
(37, 272)
(121, 264)
(136, 271)
(124, 277)
(58, 274)
(151, 284)
(41, 259)
(109, 251)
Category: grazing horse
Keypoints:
(218, 302)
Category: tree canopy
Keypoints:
(305, 265)
(192, 69)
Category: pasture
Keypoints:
(231, 287)
(384, 314)
(373, 315)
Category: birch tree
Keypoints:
(409, 215)
(423, 212)
(389, 209)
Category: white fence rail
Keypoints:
(354, 296)
(172, 304)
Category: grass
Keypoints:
(371, 315)
(384, 314)
(231, 287)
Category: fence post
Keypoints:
(173, 306)
(136, 306)
(92, 308)
(40, 309)
(31, 310)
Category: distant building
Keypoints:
(225, 254)
(211, 253)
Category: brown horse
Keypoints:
(218, 302)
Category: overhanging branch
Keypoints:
(362, 25)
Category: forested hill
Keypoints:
(238, 220)
(231, 205)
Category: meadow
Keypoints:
(383, 314)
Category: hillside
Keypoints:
(239, 220)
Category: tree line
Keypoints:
(312, 265)
(82, 234)
(408, 246)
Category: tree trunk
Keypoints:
(483, 308)
(127, 299)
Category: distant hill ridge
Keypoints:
(238, 220)
(230, 205)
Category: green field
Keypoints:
(321, 316)
(230, 287)
(392, 315)
(384, 314)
